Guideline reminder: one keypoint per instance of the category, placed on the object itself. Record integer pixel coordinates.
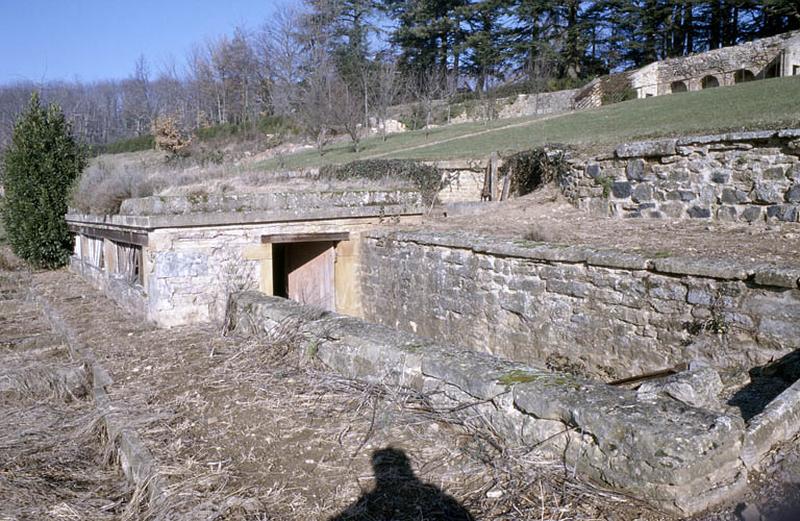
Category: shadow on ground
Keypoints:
(766, 383)
(399, 495)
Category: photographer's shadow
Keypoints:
(399, 495)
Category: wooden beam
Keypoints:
(304, 237)
(112, 234)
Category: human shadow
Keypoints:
(399, 495)
(766, 383)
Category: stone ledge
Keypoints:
(667, 147)
(679, 458)
(755, 135)
(658, 148)
(763, 274)
(152, 222)
(781, 416)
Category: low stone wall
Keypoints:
(604, 313)
(746, 176)
(679, 458)
(129, 297)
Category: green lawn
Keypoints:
(756, 105)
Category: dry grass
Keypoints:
(52, 461)
(258, 429)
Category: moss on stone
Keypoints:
(518, 376)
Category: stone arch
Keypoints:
(709, 82)
(678, 86)
(773, 70)
(743, 75)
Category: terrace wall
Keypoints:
(746, 176)
(602, 313)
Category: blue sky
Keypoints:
(87, 40)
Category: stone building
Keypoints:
(174, 260)
(772, 57)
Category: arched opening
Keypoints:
(678, 86)
(773, 70)
(743, 75)
(709, 82)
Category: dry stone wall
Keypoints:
(603, 313)
(679, 458)
(746, 176)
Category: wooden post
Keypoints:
(493, 184)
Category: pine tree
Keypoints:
(40, 165)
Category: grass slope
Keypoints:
(756, 105)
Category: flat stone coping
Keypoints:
(760, 273)
(194, 220)
(668, 147)
(267, 201)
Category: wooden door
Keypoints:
(310, 274)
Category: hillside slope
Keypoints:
(755, 105)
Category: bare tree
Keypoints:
(450, 90)
(347, 109)
(428, 88)
(136, 93)
(280, 59)
(314, 107)
(386, 87)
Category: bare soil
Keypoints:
(547, 216)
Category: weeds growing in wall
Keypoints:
(425, 177)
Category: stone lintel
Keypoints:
(305, 237)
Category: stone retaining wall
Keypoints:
(746, 176)
(679, 458)
(541, 104)
(604, 313)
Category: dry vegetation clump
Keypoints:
(109, 180)
(168, 136)
(9, 261)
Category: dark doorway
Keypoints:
(743, 75)
(303, 272)
(773, 70)
(709, 82)
(678, 86)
